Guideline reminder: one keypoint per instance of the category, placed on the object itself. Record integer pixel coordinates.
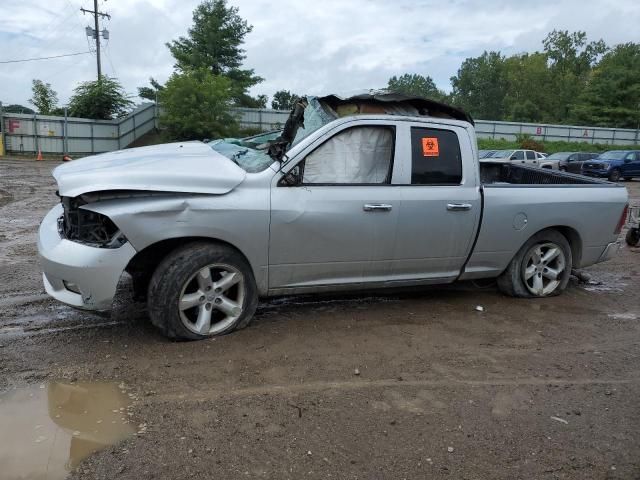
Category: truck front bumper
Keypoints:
(76, 274)
(595, 173)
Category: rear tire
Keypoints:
(628, 179)
(615, 175)
(202, 290)
(541, 268)
(633, 237)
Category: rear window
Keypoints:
(435, 157)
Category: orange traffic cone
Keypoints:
(39, 157)
(66, 158)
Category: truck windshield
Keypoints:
(501, 154)
(613, 155)
(249, 153)
(559, 156)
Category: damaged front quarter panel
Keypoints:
(239, 218)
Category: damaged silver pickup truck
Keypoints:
(374, 190)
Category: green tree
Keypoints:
(527, 92)
(283, 100)
(414, 84)
(150, 93)
(214, 42)
(196, 105)
(44, 97)
(480, 86)
(570, 60)
(102, 99)
(15, 108)
(612, 95)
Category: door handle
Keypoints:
(375, 207)
(458, 207)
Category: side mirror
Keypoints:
(292, 178)
(513, 157)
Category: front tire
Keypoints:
(541, 268)
(615, 175)
(202, 290)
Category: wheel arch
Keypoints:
(572, 236)
(147, 260)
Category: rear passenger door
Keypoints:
(531, 158)
(440, 202)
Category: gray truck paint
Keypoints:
(314, 238)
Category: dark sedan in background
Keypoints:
(572, 161)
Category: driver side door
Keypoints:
(334, 212)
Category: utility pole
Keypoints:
(95, 32)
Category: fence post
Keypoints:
(92, 146)
(133, 118)
(36, 141)
(65, 133)
(119, 136)
(2, 138)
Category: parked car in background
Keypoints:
(614, 165)
(524, 157)
(572, 161)
(485, 153)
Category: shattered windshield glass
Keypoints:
(249, 153)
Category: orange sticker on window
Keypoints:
(430, 147)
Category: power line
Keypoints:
(44, 58)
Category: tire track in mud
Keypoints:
(5, 198)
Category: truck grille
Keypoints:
(84, 226)
(594, 166)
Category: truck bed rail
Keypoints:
(505, 173)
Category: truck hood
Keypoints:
(187, 167)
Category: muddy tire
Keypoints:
(633, 237)
(541, 268)
(615, 175)
(202, 290)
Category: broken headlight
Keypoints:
(87, 227)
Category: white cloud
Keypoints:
(306, 47)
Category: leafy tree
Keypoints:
(612, 95)
(44, 97)
(528, 96)
(414, 84)
(196, 105)
(102, 99)
(570, 61)
(214, 42)
(15, 108)
(480, 86)
(283, 100)
(150, 93)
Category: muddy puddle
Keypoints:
(47, 430)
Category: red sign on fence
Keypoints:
(13, 125)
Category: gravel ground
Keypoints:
(396, 385)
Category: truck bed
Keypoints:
(505, 174)
(519, 201)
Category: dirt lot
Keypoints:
(441, 390)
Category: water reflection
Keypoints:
(47, 430)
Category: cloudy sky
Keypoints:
(304, 46)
